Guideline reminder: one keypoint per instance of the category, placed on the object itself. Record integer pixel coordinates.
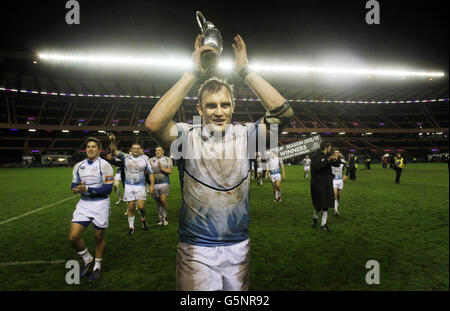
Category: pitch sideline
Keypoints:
(37, 210)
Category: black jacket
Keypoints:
(322, 193)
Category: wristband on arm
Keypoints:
(244, 72)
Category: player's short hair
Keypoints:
(324, 145)
(137, 144)
(214, 85)
(159, 146)
(95, 140)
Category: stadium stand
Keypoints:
(50, 111)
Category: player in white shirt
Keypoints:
(93, 180)
(259, 169)
(306, 166)
(134, 164)
(277, 173)
(161, 166)
(214, 247)
(338, 182)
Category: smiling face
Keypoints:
(159, 152)
(216, 109)
(136, 150)
(92, 150)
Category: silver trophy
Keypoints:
(211, 37)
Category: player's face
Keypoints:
(92, 150)
(136, 150)
(159, 152)
(216, 109)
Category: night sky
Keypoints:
(412, 33)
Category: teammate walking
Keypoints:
(259, 169)
(337, 169)
(161, 166)
(134, 164)
(93, 180)
(277, 173)
(306, 166)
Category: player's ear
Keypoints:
(199, 109)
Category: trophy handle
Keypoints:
(201, 20)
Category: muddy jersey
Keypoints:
(215, 183)
(307, 162)
(274, 165)
(135, 167)
(160, 176)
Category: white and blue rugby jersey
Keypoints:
(306, 162)
(215, 183)
(160, 177)
(135, 167)
(274, 165)
(94, 174)
(337, 170)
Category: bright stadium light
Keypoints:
(183, 63)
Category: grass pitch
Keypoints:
(404, 227)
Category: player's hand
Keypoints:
(196, 55)
(83, 187)
(159, 165)
(111, 136)
(77, 189)
(240, 53)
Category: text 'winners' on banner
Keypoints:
(297, 148)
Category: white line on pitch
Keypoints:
(37, 210)
(37, 262)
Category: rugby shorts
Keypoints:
(203, 268)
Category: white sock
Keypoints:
(316, 215)
(98, 264)
(86, 256)
(277, 195)
(336, 204)
(131, 222)
(324, 218)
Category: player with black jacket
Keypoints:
(322, 192)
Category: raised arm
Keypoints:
(113, 146)
(159, 121)
(273, 102)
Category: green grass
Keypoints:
(404, 227)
